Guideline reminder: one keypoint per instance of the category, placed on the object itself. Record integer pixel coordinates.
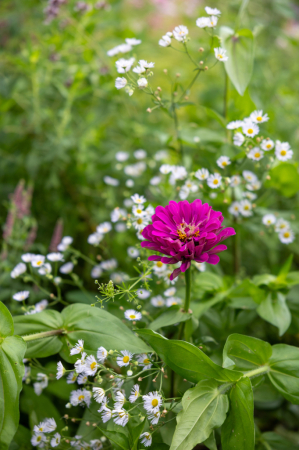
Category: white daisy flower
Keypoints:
(120, 82)
(166, 169)
(286, 236)
(159, 267)
(255, 153)
(82, 378)
(250, 129)
(220, 54)
(55, 441)
(42, 377)
(234, 124)
(165, 41)
(111, 181)
(234, 209)
(38, 440)
(102, 354)
(20, 296)
(60, 370)
(223, 161)
(144, 361)
(95, 238)
(202, 174)
(235, 181)
(124, 359)
(131, 314)
(171, 301)
(146, 65)
(238, 139)
(150, 210)
(18, 270)
(40, 306)
(212, 11)
(214, 180)
(79, 397)
(120, 400)
(170, 292)
(249, 176)
(203, 22)
(146, 439)
(268, 219)
(91, 365)
(213, 20)
(142, 82)
(152, 401)
(49, 425)
(80, 363)
(38, 261)
(28, 257)
(66, 241)
(245, 208)
(267, 145)
(133, 252)
(200, 266)
(124, 65)
(139, 199)
(121, 156)
(192, 187)
(45, 269)
(40, 428)
(106, 415)
(55, 256)
(71, 378)
(258, 117)
(158, 301)
(66, 268)
(109, 264)
(139, 70)
(154, 417)
(143, 294)
(133, 41)
(104, 227)
(283, 151)
(104, 405)
(124, 48)
(96, 271)
(139, 223)
(249, 195)
(120, 417)
(134, 393)
(255, 186)
(79, 347)
(282, 225)
(155, 181)
(98, 394)
(180, 33)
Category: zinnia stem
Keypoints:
(188, 289)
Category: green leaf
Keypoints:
(186, 359)
(199, 308)
(210, 443)
(246, 353)
(284, 371)
(173, 315)
(95, 326)
(38, 407)
(35, 323)
(237, 432)
(275, 442)
(21, 440)
(80, 297)
(275, 310)
(160, 447)
(208, 281)
(246, 295)
(135, 430)
(119, 439)
(12, 351)
(284, 178)
(240, 51)
(204, 409)
(214, 115)
(286, 267)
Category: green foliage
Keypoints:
(284, 178)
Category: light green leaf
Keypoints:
(284, 178)
(275, 310)
(210, 443)
(173, 315)
(12, 351)
(204, 409)
(237, 432)
(207, 281)
(286, 267)
(245, 352)
(284, 371)
(119, 439)
(186, 359)
(199, 308)
(240, 51)
(246, 295)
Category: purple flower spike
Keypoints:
(184, 232)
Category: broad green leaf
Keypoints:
(275, 310)
(204, 409)
(274, 441)
(36, 323)
(237, 432)
(284, 371)
(12, 351)
(245, 352)
(292, 278)
(135, 429)
(207, 281)
(97, 328)
(119, 439)
(79, 321)
(80, 297)
(171, 316)
(199, 308)
(22, 439)
(240, 51)
(38, 407)
(284, 178)
(186, 359)
(210, 443)
(246, 295)
(265, 279)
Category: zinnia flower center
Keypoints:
(187, 231)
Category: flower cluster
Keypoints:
(281, 227)
(43, 434)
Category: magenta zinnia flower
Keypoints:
(186, 231)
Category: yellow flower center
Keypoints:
(286, 234)
(39, 263)
(126, 359)
(93, 365)
(81, 397)
(250, 130)
(139, 211)
(139, 221)
(259, 118)
(268, 145)
(224, 163)
(155, 402)
(215, 182)
(121, 414)
(146, 361)
(132, 316)
(159, 264)
(41, 429)
(246, 207)
(283, 152)
(148, 436)
(220, 56)
(39, 438)
(257, 155)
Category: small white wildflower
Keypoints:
(146, 439)
(120, 82)
(20, 296)
(234, 124)
(214, 180)
(158, 301)
(60, 370)
(212, 11)
(49, 425)
(223, 161)
(18, 270)
(143, 294)
(45, 269)
(38, 261)
(250, 129)
(55, 441)
(202, 174)
(139, 199)
(286, 236)
(91, 365)
(238, 139)
(95, 238)
(235, 181)
(268, 219)
(134, 393)
(255, 153)
(133, 252)
(120, 417)
(78, 348)
(258, 117)
(98, 394)
(220, 54)
(131, 314)
(142, 82)
(71, 378)
(282, 225)
(234, 209)
(80, 396)
(55, 256)
(67, 268)
(165, 41)
(124, 359)
(152, 401)
(102, 354)
(245, 208)
(203, 22)
(180, 33)
(267, 145)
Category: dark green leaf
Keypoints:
(245, 352)
(135, 430)
(237, 432)
(119, 439)
(38, 407)
(204, 409)
(275, 310)
(210, 443)
(276, 442)
(284, 371)
(173, 315)
(186, 359)
(246, 295)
